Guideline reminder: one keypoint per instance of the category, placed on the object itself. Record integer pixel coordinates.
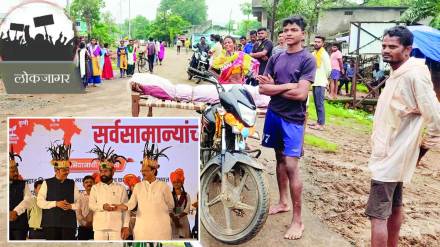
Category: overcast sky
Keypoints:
(218, 10)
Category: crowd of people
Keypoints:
(41, 47)
(286, 72)
(106, 210)
(95, 60)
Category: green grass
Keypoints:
(360, 87)
(320, 143)
(337, 114)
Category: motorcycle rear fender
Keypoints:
(230, 160)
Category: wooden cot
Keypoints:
(138, 100)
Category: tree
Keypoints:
(308, 9)
(193, 11)
(167, 25)
(245, 26)
(106, 31)
(421, 9)
(246, 9)
(87, 10)
(140, 26)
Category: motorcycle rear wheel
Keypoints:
(234, 206)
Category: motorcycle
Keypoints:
(198, 64)
(234, 195)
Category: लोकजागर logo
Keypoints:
(37, 50)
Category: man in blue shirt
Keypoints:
(250, 45)
(287, 80)
(347, 77)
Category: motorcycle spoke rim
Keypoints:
(240, 187)
(214, 201)
(227, 211)
(242, 205)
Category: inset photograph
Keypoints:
(110, 179)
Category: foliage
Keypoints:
(320, 143)
(420, 9)
(338, 114)
(247, 25)
(246, 9)
(87, 10)
(167, 27)
(192, 11)
(387, 3)
(140, 28)
(106, 31)
(308, 9)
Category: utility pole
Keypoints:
(129, 19)
(229, 26)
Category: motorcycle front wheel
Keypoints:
(239, 214)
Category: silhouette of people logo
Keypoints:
(18, 43)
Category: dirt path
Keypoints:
(339, 186)
(335, 185)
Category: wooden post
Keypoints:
(150, 111)
(356, 71)
(135, 107)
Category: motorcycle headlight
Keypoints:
(248, 115)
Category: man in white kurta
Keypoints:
(155, 202)
(108, 224)
(407, 105)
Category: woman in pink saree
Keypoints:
(233, 65)
(161, 53)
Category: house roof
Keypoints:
(368, 8)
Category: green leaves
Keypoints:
(421, 9)
(87, 10)
(192, 11)
(106, 30)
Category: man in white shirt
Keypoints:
(20, 199)
(108, 222)
(323, 69)
(407, 104)
(83, 214)
(153, 199)
(58, 197)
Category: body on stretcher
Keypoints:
(154, 91)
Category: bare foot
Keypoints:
(278, 208)
(317, 127)
(295, 231)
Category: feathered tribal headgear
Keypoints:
(12, 156)
(60, 154)
(107, 159)
(177, 176)
(152, 154)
